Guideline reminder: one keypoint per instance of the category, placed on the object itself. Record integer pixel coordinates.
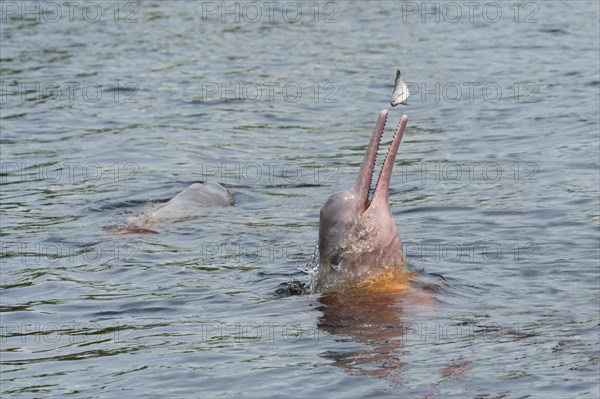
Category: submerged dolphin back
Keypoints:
(188, 203)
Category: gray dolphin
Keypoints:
(358, 237)
(191, 201)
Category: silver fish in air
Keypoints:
(401, 92)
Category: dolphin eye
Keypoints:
(336, 262)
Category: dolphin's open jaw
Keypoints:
(362, 187)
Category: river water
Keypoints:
(107, 107)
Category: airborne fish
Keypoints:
(401, 92)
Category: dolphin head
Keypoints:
(358, 237)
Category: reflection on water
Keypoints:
(373, 320)
(377, 317)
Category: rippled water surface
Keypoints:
(108, 107)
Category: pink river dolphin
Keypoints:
(190, 202)
(358, 237)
